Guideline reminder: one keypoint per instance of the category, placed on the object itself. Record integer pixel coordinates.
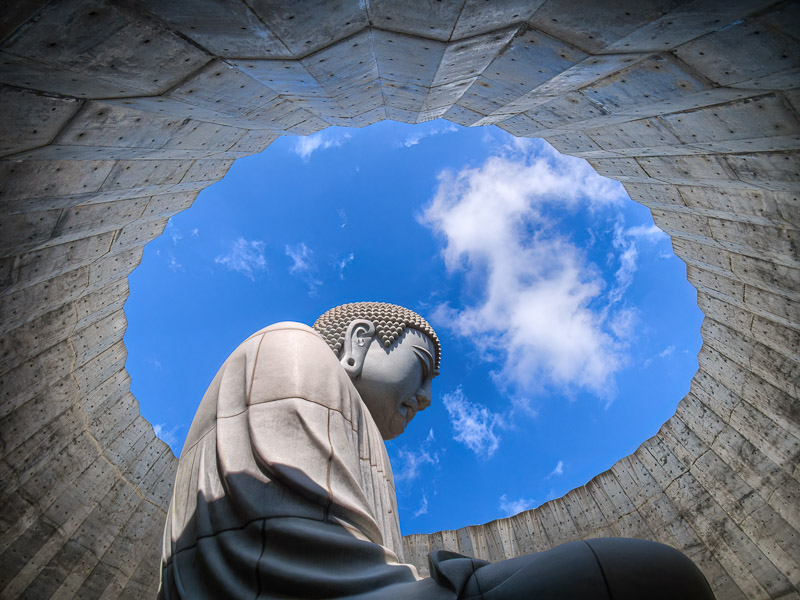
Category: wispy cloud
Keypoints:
(663, 354)
(417, 136)
(558, 470)
(411, 461)
(304, 147)
(342, 218)
(423, 507)
(173, 264)
(176, 236)
(625, 242)
(301, 256)
(513, 507)
(473, 424)
(245, 257)
(174, 233)
(628, 255)
(342, 263)
(538, 314)
(623, 322)
(304, 265)
(168, 435)
(647, 232)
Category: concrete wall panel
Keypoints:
(223, 28)
(92, 49)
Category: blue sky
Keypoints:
(568, 329)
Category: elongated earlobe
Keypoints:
(357, 340)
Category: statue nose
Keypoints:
(423, 395)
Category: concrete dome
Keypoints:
(116, 114)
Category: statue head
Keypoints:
(391, 355)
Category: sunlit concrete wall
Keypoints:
(114, 115)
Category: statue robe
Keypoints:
(284, 488)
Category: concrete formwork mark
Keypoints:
(640, 88)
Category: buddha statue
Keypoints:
(284, 488)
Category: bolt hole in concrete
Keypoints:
(568, 328)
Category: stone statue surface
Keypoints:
(284, 488)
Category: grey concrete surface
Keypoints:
(116, 114)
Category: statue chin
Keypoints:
(284, 487)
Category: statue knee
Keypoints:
(567, 571)
(595, 569)
(633, 567)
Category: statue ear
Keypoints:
(357, 340)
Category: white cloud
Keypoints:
(417, 136)
(411, 462)
(514, 507)
(625, 242)
(174, 265)
(342, 218)
(558, 470)
(304, 147)
(623, 322)
(168, 436)
(647, 232)
(423, 508)
(301, 256)
(473, 424)
(663, 354)
(245, 257)
(173, 232)
(342, 263)
(303, 264)
(195, 232)
(538, 313)
(627, 266)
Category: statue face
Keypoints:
(395, 382)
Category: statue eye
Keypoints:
(423, 361)
(426, 360)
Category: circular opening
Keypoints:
(470, 228)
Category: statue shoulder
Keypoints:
(291, 360)
(284, 360)
(285, 326)
(290, 340)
